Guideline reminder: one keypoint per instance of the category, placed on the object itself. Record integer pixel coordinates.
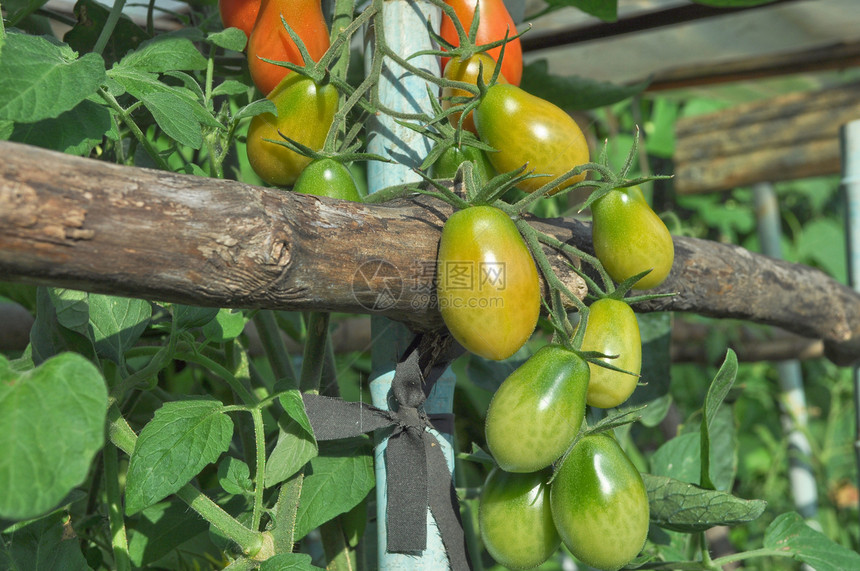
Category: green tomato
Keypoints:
(599, 504)
(529, 130)
(446, 165)
(516, 520)
(612, 329)
(305, 114)
(327, 177)
(630, 238)
(487, 283)
(537, 411)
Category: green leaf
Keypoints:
(42, 544)
(606, 10)
(717, 392)
(295, 447)
(334, 485)
(230, 39)
(51, 426)
(73, 309)
(255, 108)
(181, 439)
(175, 116)
(160, 529)
(295, 408)
(678, 458)
(75, 132)
(789, 533)
(42, 80)
(164, 53)
(685, 507)
(230, 87)
(234, 476)
(189, 316)
(92, 17)
(227, 325)
(48, 337)
(574, 93)
(117, 323)
(655, 330)
(289, 562)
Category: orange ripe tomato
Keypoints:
(269, 39)
(239, 14)
(495, 22)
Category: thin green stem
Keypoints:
(554, 242)
(260, 471)
(530, 236)
(240, 389)
(119, 539)
(286, 511)
(110, 24)
(125, 116)
(314, 354)
(273, 346)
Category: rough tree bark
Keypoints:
(90, 225)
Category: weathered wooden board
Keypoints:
(782, 138)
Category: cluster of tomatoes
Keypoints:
(305, 108)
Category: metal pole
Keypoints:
(849, 137)
(795, 415)
(405, 27)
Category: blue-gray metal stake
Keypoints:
(405, 27)
(793, 398)
(849, 137)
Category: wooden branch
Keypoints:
(95, 226)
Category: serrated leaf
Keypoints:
(789, 533)
(42, 545)
(255, 108)
(164, 53)
(289, 562)
(73, 309)
(117, 323)
(230, 87)
(685, 507)
(42, 80)
(234, 476)
(295, 408)
(51, 426)
(75, 132)
(717, 392)
(175, 116)
(48, 337)
(181, 439)
(230, 39)
(574, 93)
(333, 485)
(159, 529)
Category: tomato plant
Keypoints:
(305, 113)
(613, 330)
(515, 518)
(495, 22)
(528, 130)
(447, 164)
(599, 504)
(466, 71)
(630, 238)
(270, 40)
(537, 411)
(327, 177)
(240, 14)
(488, 289)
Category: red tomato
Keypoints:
(239, 14)
(495, 22)
(269, 39)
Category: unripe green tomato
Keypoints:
(630, 238)
(599, 504)
(516, 520)
(529, 130)
(537, 411)
(305, 114)
(612, 329)
(327, 177)
(487, 282)
(446, 165)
